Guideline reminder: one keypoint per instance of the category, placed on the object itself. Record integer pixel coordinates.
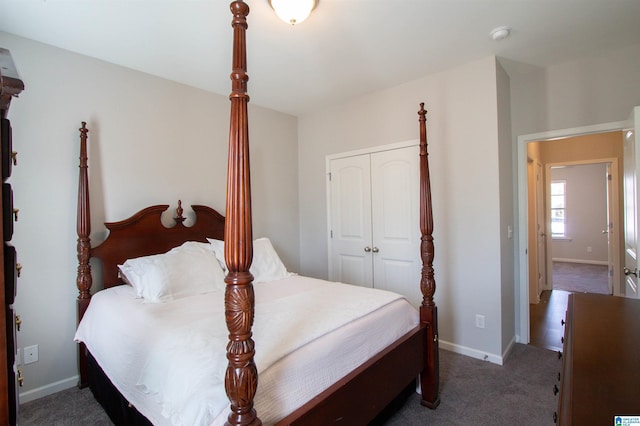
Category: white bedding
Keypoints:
(168, 359)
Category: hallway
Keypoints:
(545, 318)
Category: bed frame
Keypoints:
(357, 398)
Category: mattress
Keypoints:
(168, 359)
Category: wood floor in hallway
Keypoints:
(545, 319)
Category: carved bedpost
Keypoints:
(430, 380)
(241, 379)
(84, 279)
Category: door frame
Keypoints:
(631, 253)
(541, 231)
(522, 266)
(613, 216)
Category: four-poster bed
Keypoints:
(357, 393)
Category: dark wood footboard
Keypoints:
(365, 392)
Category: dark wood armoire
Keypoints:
(10, 86)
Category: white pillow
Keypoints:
(183, 271)
(266, 264)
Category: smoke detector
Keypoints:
(500, 33)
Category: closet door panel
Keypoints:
(350, 215)
(395, 220)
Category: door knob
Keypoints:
(628, 271)
(375, 249)
(367, 249)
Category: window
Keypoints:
(558, 208)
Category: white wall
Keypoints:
(462, 127)
(151, 141)
(506, 200)
(594, 90)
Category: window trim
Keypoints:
(563, 235)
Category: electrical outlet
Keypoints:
(30, 354)
(479, 321)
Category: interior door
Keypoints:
(395, 197)
(631, 137)
(541, 232)
(350, 220)
(608, 230)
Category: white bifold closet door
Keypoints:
(374, 220)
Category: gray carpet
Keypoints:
(580, 277)
(472, 392)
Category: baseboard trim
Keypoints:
(473, 353)
(586, 262)
(46, 390)
(509, 348)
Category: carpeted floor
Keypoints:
(472, 392)
(580, 277)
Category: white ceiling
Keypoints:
(346, 48)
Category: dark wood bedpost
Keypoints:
(84, 279)
(430, 377)
(241, 379)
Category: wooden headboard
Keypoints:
(144, 234)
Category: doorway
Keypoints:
(576, 236)
(583, 216)
(584, 141)
(580, 198)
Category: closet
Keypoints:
(373, 208)
(10, 86)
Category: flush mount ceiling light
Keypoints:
(293, 11)
(500, 33)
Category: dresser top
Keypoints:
(10, 83)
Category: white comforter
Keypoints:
(175, 352)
